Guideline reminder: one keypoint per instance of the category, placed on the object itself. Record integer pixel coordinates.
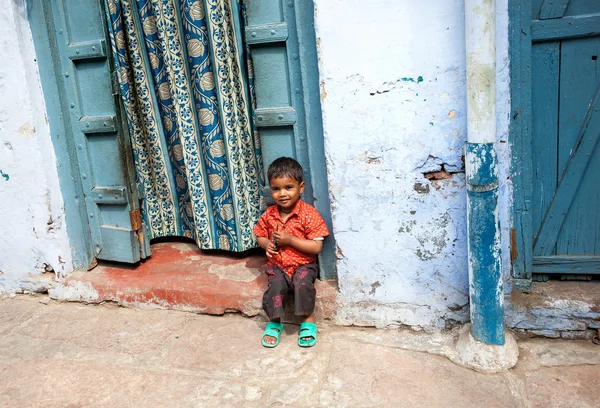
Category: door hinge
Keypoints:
(114, 84)
(514, 253)
(135, 217)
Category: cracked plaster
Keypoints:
(394, 108)
(33, 235)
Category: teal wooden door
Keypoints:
(565, 130)
(90, 120)
(280, 34)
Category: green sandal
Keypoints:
(307, 329)
(273, 329)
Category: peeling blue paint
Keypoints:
(485, 269)
(480, 159)
(6, 176)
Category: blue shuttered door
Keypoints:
(565, 207)
(281, 38)
(98, 131)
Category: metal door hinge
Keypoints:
(114, 84)
(135, 217)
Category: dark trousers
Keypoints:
(302, 283)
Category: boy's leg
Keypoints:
(274, 297)
(305, 294)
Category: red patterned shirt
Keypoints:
(304, 222)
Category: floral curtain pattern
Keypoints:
(185, 88)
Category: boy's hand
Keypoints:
(281, 238)
(271, 249)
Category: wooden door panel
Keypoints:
(565, 130)
(579, 77)
(569, 183)
(544, 104)
(553, 9)
(580, 7)
(96, 128)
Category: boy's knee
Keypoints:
(278, 287)
(305, 276)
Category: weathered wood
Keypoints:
(567, 264)
(520, 135)
(566, 27)
(81, 65)
(544, 129)
(579, 79)
(553, 9)
(570, 179)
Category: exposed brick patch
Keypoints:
(438, 175)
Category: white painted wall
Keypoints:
(402, 238)
(32, 229)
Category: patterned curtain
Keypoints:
(185, 84)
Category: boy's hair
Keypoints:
(285, 167)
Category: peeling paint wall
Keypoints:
(33, 236)
(393, 91)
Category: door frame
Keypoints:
(519, 12)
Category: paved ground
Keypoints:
(74, 355)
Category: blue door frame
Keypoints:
(520, 139)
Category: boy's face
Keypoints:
(286, 192)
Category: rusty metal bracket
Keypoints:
(135, 217)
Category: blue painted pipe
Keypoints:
(486, 292)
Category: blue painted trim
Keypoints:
(520, 137)
(485, 266)
(309, 70)
(44, 28)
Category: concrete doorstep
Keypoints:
(59, 354)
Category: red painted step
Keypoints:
(180, 276)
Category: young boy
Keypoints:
(292, 234)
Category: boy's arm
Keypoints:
(261, 232)
(267, 245)
(307, 246)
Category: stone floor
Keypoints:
(55, 354)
